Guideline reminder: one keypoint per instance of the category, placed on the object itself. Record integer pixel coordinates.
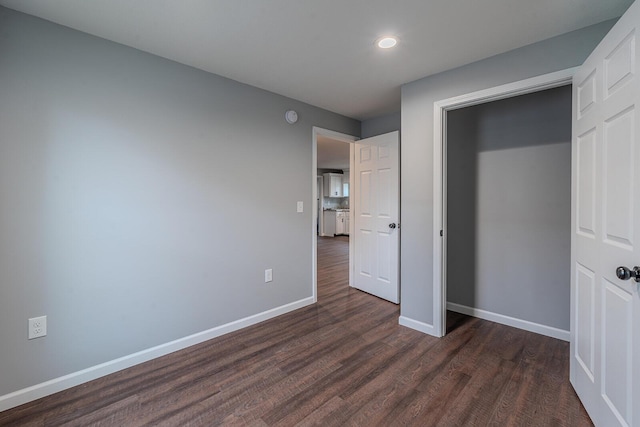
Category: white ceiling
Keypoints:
(332, 154)
(322, 51)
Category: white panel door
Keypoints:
(605, 310)
(376, 215)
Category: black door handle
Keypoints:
(624, 273)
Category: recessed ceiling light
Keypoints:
(387, 42)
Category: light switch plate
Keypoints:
(300, 207)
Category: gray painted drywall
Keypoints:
(562, 52)
(140, 200)
(380, 125)
(509, 207)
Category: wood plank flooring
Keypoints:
(344, 361)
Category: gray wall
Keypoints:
(509, 207)
(380, 125)
(565, 51)
(140, 199)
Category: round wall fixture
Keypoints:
(291, 116)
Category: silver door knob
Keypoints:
(392, 225)
(624, 273)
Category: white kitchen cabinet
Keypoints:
(332, 185)
(346, 223)
(340, 223)
(335, 222)
(329, 218)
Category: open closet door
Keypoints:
(605, 305)
(376, 196)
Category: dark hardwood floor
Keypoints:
(342, 361)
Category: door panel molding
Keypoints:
(606, 105)
(376, 170)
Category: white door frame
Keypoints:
(319, 198)
(314, 176)
(440, 109)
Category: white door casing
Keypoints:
(605, 311)
(318, 200)
(375, 202)
(441, 108)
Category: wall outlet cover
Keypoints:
(37, 327)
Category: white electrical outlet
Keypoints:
(268, 275)
(37, 327)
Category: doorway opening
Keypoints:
(332, 246)
(503, 206)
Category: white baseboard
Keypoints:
(418, 326)
(55, 385)
(511, 321)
